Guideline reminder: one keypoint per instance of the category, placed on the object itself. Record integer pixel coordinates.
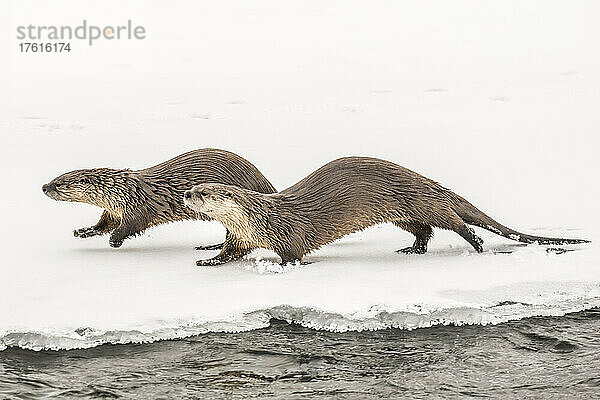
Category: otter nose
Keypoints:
(187, 194)
(47, 187)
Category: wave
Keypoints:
(375, 318)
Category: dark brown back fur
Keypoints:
(164, 184)
(351, 194)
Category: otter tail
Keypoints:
(473, 216)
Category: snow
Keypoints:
(496, 100)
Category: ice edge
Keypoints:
(376, 318)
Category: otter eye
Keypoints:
(84, 181)
(203, 193)
(213, 198)
(228, 195)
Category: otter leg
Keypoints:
(469, 235)
(107, 223)
(450, 220)
(457, 225)
(289, 256)
(214, 246)
(422, 232)
(128, 228)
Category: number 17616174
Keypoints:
(58, 47)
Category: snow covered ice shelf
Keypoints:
(83, 293)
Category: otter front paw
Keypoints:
(211, 262)
(210, 247)
(115, 243)
(413, 250)
(85, 232)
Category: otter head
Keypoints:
(216, 200)
(92, 186)
(239, 210)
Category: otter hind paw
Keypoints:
(210, 247)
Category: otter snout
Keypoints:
(194, 193)
(191, 196)
(48, 188)
(194, 198)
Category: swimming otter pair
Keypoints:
(344, 196)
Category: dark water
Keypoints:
(541, 358)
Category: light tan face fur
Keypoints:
(214, 201)
(218, 202)
(207, 201)
(77, 186)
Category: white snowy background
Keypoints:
(496, 100)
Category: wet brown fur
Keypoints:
(136, 200)
(344, 196)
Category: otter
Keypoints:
(136, 200)
(344, 196)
